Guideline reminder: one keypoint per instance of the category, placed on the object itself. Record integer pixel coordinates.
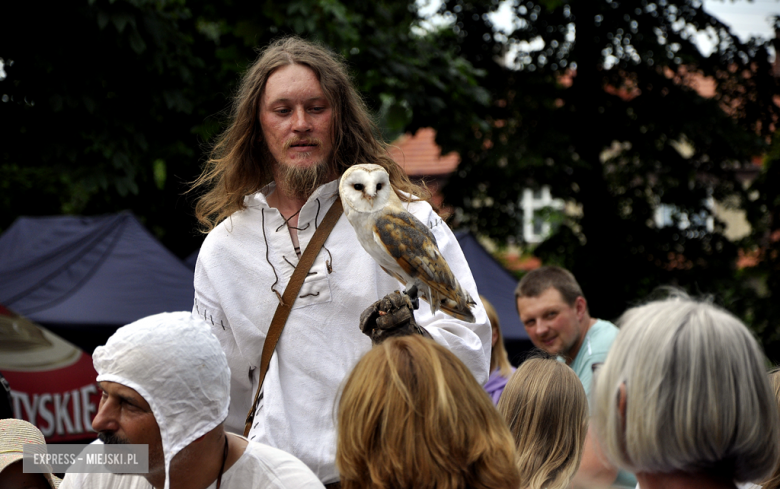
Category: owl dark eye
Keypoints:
(358, 186)
(378, 187)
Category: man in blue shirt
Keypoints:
(555, 314)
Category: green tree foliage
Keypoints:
(601, 106)
(762, 307)
(112, 103)
(105, 110)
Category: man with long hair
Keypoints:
(297, 123)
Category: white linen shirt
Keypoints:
(238, 265)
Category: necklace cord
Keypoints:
(224, 459)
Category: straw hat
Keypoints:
(14, 434)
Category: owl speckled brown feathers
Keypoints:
(403, 246)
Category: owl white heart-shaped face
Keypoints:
(365, 188)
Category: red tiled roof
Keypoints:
(514, 262)
(419, 155)
(704, 85)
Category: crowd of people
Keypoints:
(302, 365)
(682, 399)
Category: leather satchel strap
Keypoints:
(289, 296)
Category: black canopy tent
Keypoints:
(498, 285)
(83, 277)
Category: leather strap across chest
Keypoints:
(288, 299)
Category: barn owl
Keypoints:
(403, 246)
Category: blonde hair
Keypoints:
(546, 408)
(698, 399)
(774, 481)
(499, 358)
(411, 415)
(239, 163)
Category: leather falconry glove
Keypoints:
(392, 315)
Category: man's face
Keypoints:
(552, 324)
(125, 417)
(296, 119)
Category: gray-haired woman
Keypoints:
(683, 399)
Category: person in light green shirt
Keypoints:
(593, 351)
(555, 315)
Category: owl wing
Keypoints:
(413, 247)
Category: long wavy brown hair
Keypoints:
(546, 409)
(239, 164)
(412, 416)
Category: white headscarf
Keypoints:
(177, 365)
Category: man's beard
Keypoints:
(298, 182)
(156, 460)
(111, 438)
(302, 182)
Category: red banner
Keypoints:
(60, 402)
(52, 381)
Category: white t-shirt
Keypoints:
(260, 466)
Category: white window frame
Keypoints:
(530, 205)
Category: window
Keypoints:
(665, 216)
(536, 205)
